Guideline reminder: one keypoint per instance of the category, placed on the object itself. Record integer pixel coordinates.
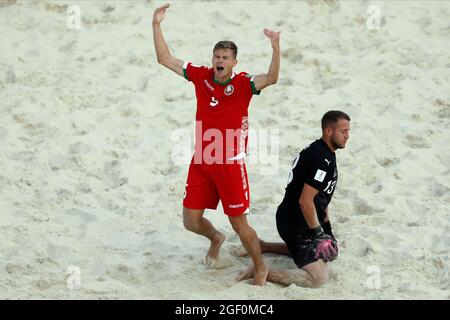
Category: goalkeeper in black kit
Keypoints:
(302, 217)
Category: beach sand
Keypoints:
(89, 125)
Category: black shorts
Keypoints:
(299, 245)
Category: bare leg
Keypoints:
(319, 271)
(312, 275)
(288, 277)
(274, 247)
(266, 247)
(250, 242)
(194, 221)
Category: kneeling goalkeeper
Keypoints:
(302, 217)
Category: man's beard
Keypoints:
(336, 145)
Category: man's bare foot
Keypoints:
(259, 277)
(246, 274)
(214, 249)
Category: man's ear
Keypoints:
(235, 63)
(329, 131)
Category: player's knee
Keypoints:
(239, 228)
(190, 224)
(236, 228)
(320, 279)
(240, 225)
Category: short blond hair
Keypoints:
(227, 45)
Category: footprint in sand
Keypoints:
(357, 246)
(85, 217)
(53, 7)
(361, 207)
(60, 162)
(224, 260)
(125, 274)
(293, 55)
(219, 279)
(80, 148)
(416, 142)
(112, 174)
(19, 268)
(437, 189)
(23, 156)
(444, 108)
(387, 162)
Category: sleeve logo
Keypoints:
(320, 175)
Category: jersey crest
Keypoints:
(229, 89)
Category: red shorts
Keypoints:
(208, 183)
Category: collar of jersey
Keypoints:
(326, 146)
(223, 83)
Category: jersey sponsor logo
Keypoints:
(235, 206)
(327, 161)
(229, 89)
(210, 87)
(320, 175)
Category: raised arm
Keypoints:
(162, 50)
(263, 80)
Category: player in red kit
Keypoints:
(217, 171)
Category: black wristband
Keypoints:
(316, 232)
(327, 228)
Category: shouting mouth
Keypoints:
(220, 69)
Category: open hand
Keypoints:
(274, 38)
(160, 14)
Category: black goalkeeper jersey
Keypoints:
(316, 166)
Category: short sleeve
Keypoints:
(192, 72)
(252, 84)
(317, 172)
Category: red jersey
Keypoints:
(221, 130)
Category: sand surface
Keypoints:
(89, 124)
